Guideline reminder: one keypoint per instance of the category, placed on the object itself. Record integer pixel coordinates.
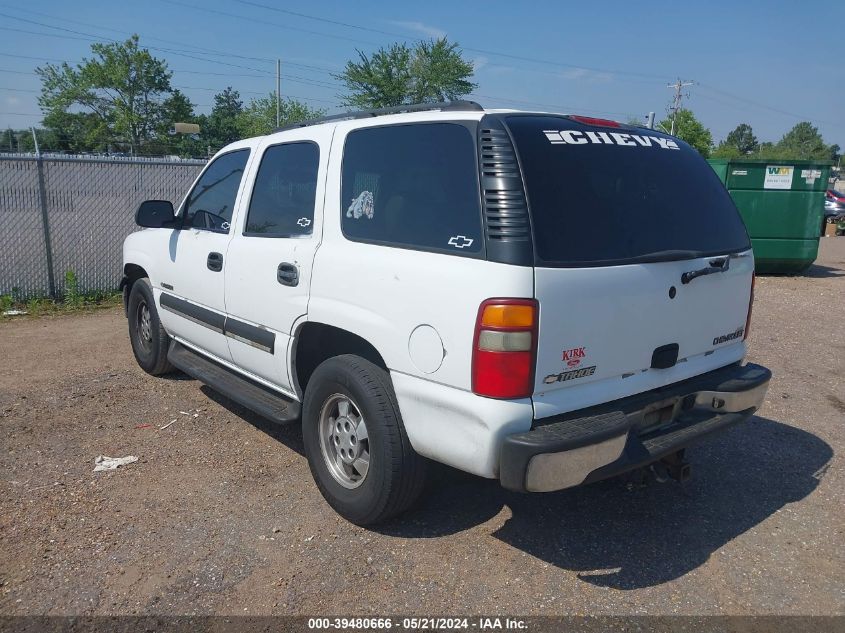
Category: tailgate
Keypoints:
(609, 332)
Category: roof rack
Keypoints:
(443, 106)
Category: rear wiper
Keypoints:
(664, 256)
(718, 265)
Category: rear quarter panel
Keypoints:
(385, 293)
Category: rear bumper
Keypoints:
(599, 442)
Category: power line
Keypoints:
(209, 51)
(98, 38)
(157, 39)
(92, 37)
(767, 107)
(393, 34)
(80, 35)
(292, 78)
(265, 22)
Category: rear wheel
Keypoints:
(357, 448)
(149, 340)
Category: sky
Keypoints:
(770, 64)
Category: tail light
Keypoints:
(750, 306)
(589, 120)
(505, 348)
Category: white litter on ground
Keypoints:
(14, 312)
(168, 424)
(101, 462)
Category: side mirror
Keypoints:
(155, 214)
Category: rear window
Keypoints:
(602, 196)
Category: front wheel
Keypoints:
(150, 342)
(357, 448)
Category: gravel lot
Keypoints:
(220, 515)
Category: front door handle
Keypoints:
(287, 274)
(215, 262)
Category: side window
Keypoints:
(212, 201)
(282, 203)
(412, 185)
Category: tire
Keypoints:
(395, 475)
(150, 342)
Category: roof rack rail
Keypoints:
(444, 106)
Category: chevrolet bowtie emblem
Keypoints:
(460, 241)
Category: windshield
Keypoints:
(601, 195)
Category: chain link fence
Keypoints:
(62, 213)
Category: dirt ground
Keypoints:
(220, 515)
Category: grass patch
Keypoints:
(71, 301)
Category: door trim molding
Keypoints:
(202, 316)
(257, 337)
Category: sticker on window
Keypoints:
(577, 137)
(362, 206)
(460, 241)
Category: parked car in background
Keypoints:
(834, 203)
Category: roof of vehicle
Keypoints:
(421, 112)
(443, 106)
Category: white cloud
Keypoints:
(419, 27)
(479, 62)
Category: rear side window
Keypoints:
(603, 195)
(212, 200)
(414, 186)
(282, 203)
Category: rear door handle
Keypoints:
(287, 274)
(215, 262)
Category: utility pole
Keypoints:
(649, 122)
(278, 92)
(676, 100)
(35, 140)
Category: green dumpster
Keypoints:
(782, 204)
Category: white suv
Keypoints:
(544, 299)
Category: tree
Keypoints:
(439, 72)
(723, 150)
(115, 96)
(259, 117)
(48, 141)
(77, 132)
(743, 140)
(691, 130)
(177, 108)
(430, 71)
(221, 126)
(8, 141)
(803, 141)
